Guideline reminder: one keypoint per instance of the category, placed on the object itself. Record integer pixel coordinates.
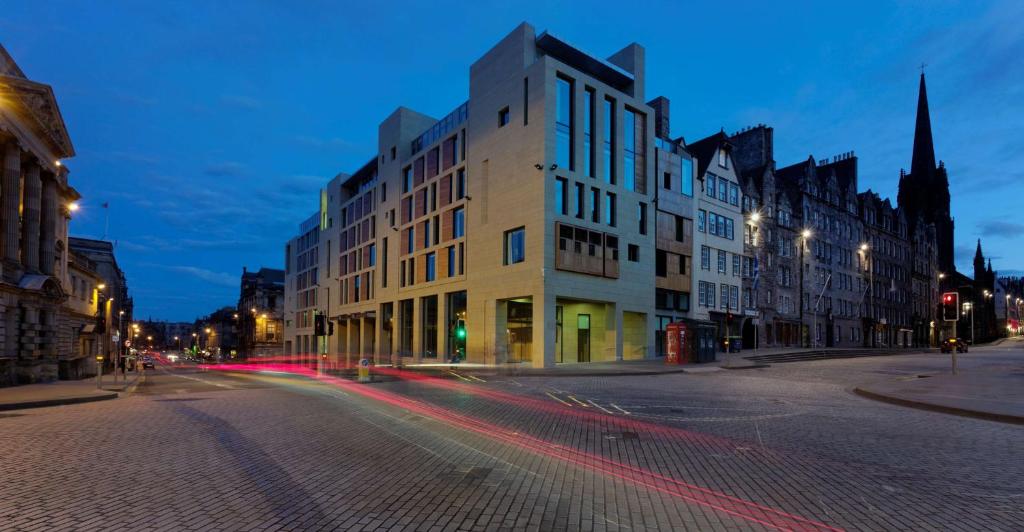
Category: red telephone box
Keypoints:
(676, 349)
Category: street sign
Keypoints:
(364, 370)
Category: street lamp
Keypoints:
(804, 235)
(865, 249)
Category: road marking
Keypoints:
(581, 403)
(204, 381)
(619, 408)
(474, 377)
(606, 411)
(557, 399)
(517, 383)
(460, 376)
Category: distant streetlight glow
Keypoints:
(72, 206)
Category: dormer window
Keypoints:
(723, 159)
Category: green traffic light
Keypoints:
(460, 334)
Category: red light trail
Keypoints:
(721, 502)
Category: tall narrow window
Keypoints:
(595, 205)
(460, 184)
(609, 140)
(515, 246)
(431, 273)
(687, 177)
(609, 209)
(580, 208)
(641, 217)
(458, 222)
(526, 101)
(564, 123)
(561, 205)
(629, 150)
(588, 130)
(406, 180)
(384, 262)
(451, 261)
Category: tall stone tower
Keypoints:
(925, 190)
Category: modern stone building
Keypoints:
(34, 214)
(260, 313)
(511, 230)
(302, 285)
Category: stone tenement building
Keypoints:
(260, 310)
(116, 306)
(34, 213)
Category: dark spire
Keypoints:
(922, 163)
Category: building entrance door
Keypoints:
(583, 338)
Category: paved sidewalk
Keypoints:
(65, 392)
(996, 394)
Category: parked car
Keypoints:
(147, 363)
(949, 344)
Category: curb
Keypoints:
(952, 410)
(634, 373)
(58, 402)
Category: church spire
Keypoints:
(922, 164)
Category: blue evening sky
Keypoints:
(210, 126)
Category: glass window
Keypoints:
(580, 208)
(734, 194)
(451, 261)
(712, 185)
(705, 258)
(373, 256)
(503, 117)
(687, 177)
(722, 262)
(460, 184)
(410, 245)
(633, 253)
(609, 140)
(641, 217)
(458, 223)
(561, 205)
(629, 149)
(426, 233)
(588, 126)
(563, 123)
(515, 246)
(723, 189)
(407, 179)
(609, 209)
(701, 215)
(431, 266)
(595, 205)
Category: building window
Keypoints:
(633, 253)
(660, 263)
(580, 207)
(684, 267)
(609, 209)
(680, 229)
(458, 223)
(406, 179)
(564, 123)
(701, 216)
(561, 205)
(451, 261)
(705, 258)
(460, 184)
(431, 267)
(588, 129)
(503, 117)
(426, 233)
(526, 101)
(595, 205)
(410, 244)
(609, 140)
(515, 246)
(711, 186)
(373, 258)
(723, 189)
(641, 217)
(734, 194)
(736, 265)
(686, 177)
(722, 262)
(723, 159)
(630, 143)
(666, 181)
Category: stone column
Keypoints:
(10, 197)
(47, 253)
(30, 218)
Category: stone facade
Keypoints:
(34, 214)
(260, 311)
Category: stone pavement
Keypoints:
(64, 392)
(990, 393)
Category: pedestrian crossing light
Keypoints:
(950, 306)
(460, 330)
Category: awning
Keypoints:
(88, 328)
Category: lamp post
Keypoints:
(804, 235)
(864, 249)
(755, 219)
(969, 307)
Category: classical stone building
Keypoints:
(81, 334)
(113, 295)
(34, 213)
(260, 311)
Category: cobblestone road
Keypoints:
(787, 447)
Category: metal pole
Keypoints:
(871, 297)
(972, 323)
(803, 241)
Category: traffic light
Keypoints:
(319, 325)
(330, 328)
(950, 306)
(460, 330)
(101, 323)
